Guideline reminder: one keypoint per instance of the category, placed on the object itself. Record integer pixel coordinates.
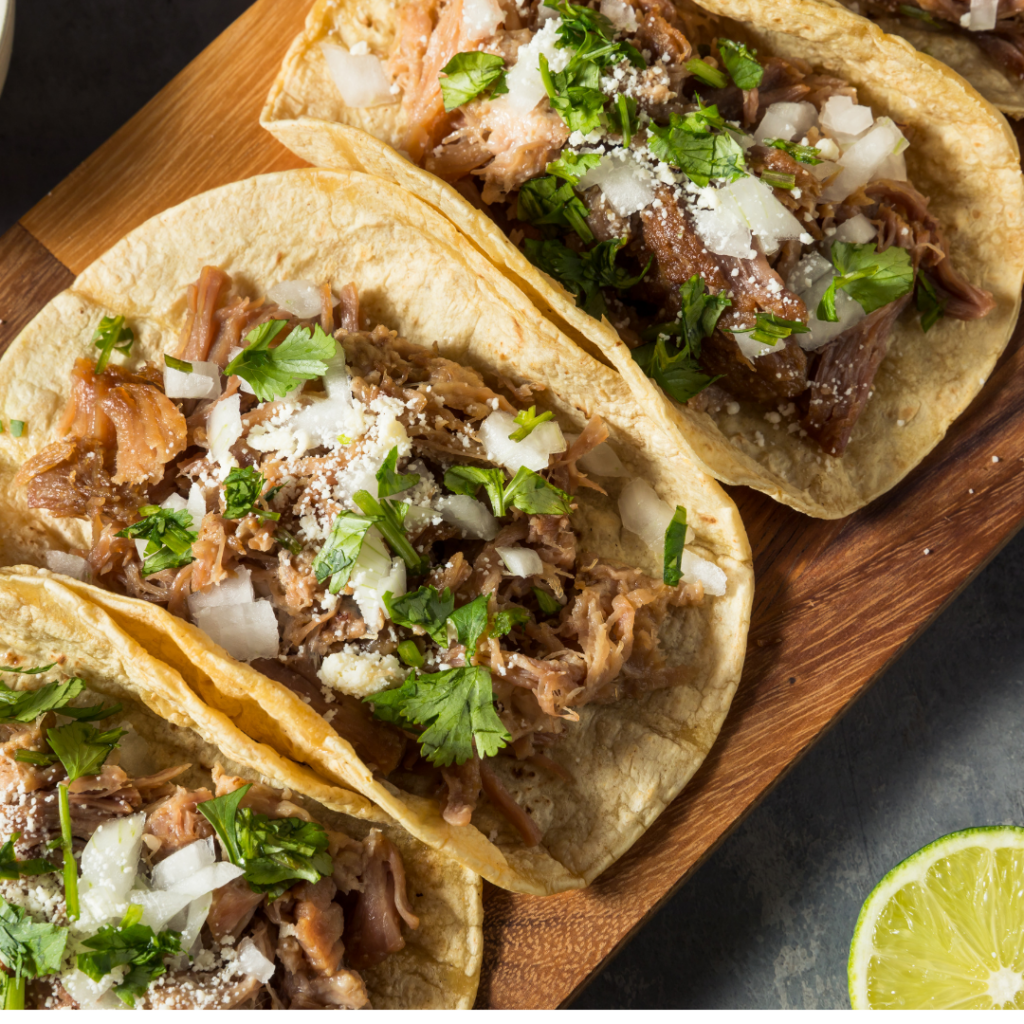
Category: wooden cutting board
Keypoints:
(836, 602)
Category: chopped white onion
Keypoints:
(94, 995)
(858, 230)
(861, 162)
(697, 569)
(894, 168)
(360, 78)
(253, 962)
(175, 502)
(246, 631)
(374, 574)
(198, 910)
(232, 590)
(983, 16)
(627, 185)
(600, 460)
(787, 121)
(828, 149)
(470, 516)
(745, 207)
(202, 381)
(722, 227)
(533, 451)
(206, 879)
(223, 429)
(196, 505)
(68, 565)
(751, 348)
(525, 86)
(158, 908)
(621, 15)
(810, 280)
(184, 862)
(110, 862)
(301, 298)
(644, 513)
(521, 561)
(844, 120)
(480, 19)
(419, 517)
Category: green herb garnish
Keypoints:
(11, 867)
(769, 329)
(425, 608)
(699, 146)
(742, 64)
(177, 364)
(547, 604)
(528, 420)
(389, 480)
(872, 278)
(410, 654)
(929, 304)
(169, 538)
(547, 203)
(17, 428)
(273, 372)
(27, 950)
(706, 73)
(341, 549)
(242, 490)
(504, 621)
(675, 540)
(804, 154)
(573, 166)
(111, 334)
(469, 75)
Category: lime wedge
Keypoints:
(945, 929)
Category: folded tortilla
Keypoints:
(416, 274)
(963, 156)
(43, 621)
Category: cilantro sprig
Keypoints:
(528, 491)
(424, 607)
(242, 489)
(548, 203)
(572, 166)
(275, 852)
(133, 944)
(11, 867)
(769, 329)
(700, 145)
(273, 372)
(742, 64)
(675, 540)
(705, 73)
(112, 335)
(872, 278)
(27, 705)
(583, 274)
(528, 420)
(168, 535)
(341, 549)
(455, 706)
(468, 75)
(28, 949)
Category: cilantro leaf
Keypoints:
(341, 549)
(470, 622)
(805, 154)
(871, 277)
(675, 540)
(470, 74)
(177, 364)
(504, 621)
(425, 608)
(769, 329)
(528, 421)
(390, 481)
(389, 518)
(678, 374)
(242, 490)
(575, 93)
(38, 670)
(742, 64)
(410, 654)
(82, 748)
(11, 867)
(548, 605)
(26, 705)
(706, 73)
(457, 708)
(621, 117)
(532, 494)
(468, 480)
(929, 304)
(273, 372)
(572, 166)
(275, 852)
(699, 313)
(111, 334)
(169, 538)
(131, 943)
(288, 541)
(689, 144)
(779, 179)
(583, 274)
(28, 949)
(543, 201)
(592, 35)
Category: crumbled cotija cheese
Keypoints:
(360, 673)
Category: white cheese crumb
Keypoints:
(360, 673)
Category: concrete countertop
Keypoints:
(934, 746)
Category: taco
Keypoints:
(983, 40)
(799, 241)
(329, 464)
(155, 857)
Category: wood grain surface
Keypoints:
(835, 603)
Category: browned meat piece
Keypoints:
(233, 907)
(1005, 47)
(605, 223)
(554, 539)
(769, 378)
(377, 744)
(755, 286)
(197, 332)
(213, 557)
(150, 431)
(556, 685)
(788, 80)
(564, 472)
(177, 821)
(462, 782)
(319, 924)
(656, 34)
(841, 384)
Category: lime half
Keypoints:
(945, 929)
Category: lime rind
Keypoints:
(915, 870)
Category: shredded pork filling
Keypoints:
(582, 629)
(494, 152)
(316, 935)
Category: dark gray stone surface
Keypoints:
(934, 747)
